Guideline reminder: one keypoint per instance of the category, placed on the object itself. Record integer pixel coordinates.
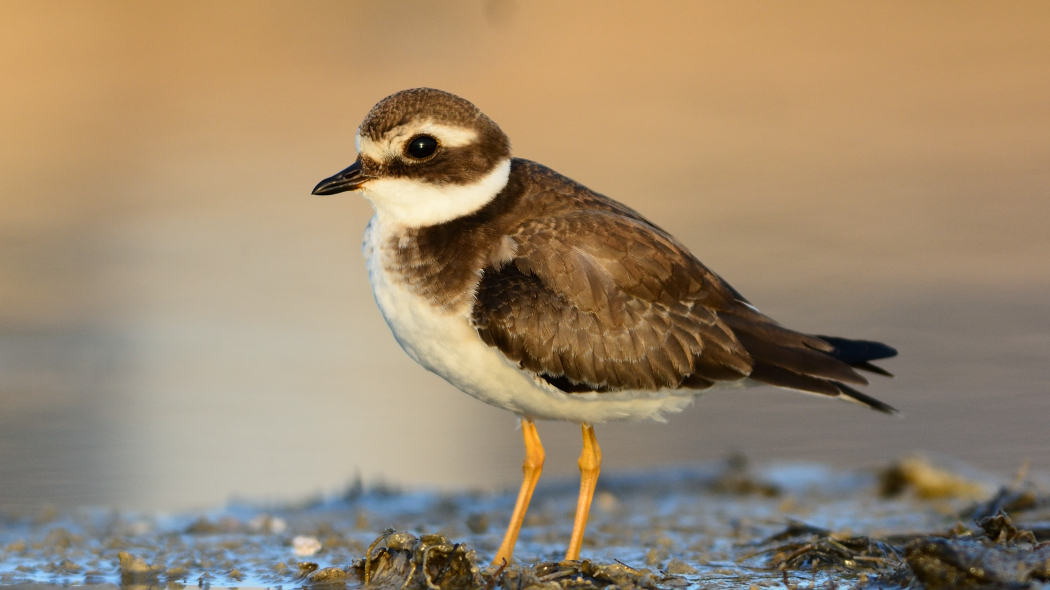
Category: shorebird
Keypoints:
(530, 292)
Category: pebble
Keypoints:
(327, 575)
(304, 546)
(130, 564)
(678, 567)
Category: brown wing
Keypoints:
(594, 300)
(593, 297)
(601, 300)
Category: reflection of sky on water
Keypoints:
(181, 322)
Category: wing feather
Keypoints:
(623, 301)
(592, 297)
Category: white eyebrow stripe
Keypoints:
(393, 142)
(445, 134)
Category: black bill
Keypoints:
(348, 180)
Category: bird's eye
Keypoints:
(421, 147)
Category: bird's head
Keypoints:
(425, 157)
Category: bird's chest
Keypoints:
(425, 303)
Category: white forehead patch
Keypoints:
(392, 144)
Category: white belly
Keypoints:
(445, 343)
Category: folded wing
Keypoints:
(601, 300)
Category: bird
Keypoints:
(528, 291)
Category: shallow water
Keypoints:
(705, 524)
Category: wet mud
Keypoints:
(909, 525)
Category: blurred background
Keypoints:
(182, 323)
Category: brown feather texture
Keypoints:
(595, 298)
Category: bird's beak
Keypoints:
(350, 179)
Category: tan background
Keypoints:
(181, 322)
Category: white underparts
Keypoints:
(445, 343)
(411, 202)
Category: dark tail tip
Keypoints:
(859, 353)
(854, 352)
(865, 399)
(866, 366)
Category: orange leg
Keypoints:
(590, 466)
(532, 467)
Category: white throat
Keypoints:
(410, 203)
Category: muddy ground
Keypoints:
(911, 524)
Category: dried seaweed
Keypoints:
(814, 548)
(582, 575)
(1000, 529)
(430, 562)
(401, 561)
(969, 563)
(1012, 500)
(1001, 555)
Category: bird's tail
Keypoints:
(823, 365)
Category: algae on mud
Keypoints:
(718, 526)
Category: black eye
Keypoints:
(421, 146)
